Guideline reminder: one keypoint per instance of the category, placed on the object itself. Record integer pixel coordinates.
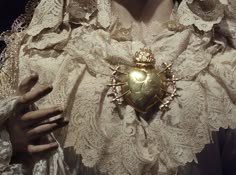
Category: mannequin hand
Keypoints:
(29, 128)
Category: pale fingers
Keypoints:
(34, 95)
(44, 129)
(27, 84)
(37, 149)
(36, 117)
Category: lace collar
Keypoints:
(204, 14)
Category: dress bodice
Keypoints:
(76, 61)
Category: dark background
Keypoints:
(9, 11)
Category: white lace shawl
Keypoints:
(76, 61)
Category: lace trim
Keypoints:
(48, 14)
(112, 139)
(9, 71)
(118, 146)
(207, 13)
(9, 57)
(207, 10)
(190, 12)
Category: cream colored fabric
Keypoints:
(76, 61)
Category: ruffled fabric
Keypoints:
(49, 14)
(208, 14)
(110, 137)
(203, 14)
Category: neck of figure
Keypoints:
(142, 11)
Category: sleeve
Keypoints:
(5, 156)
(6, 109)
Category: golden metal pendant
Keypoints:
(143, 86)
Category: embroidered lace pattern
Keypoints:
(110, 137)
(203, 14)
(9, 56)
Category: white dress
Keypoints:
(72, 48)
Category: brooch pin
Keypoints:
(144, 86)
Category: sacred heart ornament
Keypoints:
(143, 86)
